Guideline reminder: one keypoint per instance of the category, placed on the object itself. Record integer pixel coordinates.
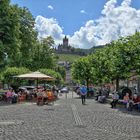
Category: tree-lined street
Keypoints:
(68, 119)
(108, 62)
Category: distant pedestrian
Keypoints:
(83, 92)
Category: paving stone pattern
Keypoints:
(28, 121)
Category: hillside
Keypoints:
(94, 48)
(68, 57)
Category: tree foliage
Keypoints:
(60, 70)
(81, 70)
(115, 61)
(56, 75)
(19, 45)
(8, 74)
(43, 56)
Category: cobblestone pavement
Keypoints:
(68, 119)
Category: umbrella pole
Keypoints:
(37, 84)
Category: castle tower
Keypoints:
(65, 41)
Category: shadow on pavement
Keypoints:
(134, 112)
(87, 98)
(6, 104)
(124, 110)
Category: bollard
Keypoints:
(65, 95)
(72, 94)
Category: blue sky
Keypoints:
(82, 20)
(67, 12)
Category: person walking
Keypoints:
(83, 92)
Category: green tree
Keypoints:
(56, 75)
(9, 31)
(60, 70)
(81, 70)
(28, 36)
(121, 62)
(134, 51)
(18, 37)
(100, 66)
(44, 56)
(115, 61)
(13, 71)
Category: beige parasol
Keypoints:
(35, 75)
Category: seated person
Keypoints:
(55, 91)
(90, 91)
(9, 95)
(44, 96)
(14, 97)
(98, 93)
(28, 95)
(40, 97)
(115, 98)
(129, 104)
(102, 99)
(103, 96)
(49, 94)
(126, 99)
(136, 102)
(39, 94)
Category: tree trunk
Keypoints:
(87, 82)
(117, 84)
(138, 85)
(127, 83)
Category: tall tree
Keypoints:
(44, 56)
(99, 67)
(81, 71)
(9, 30)
(28, 36)
(121, 60)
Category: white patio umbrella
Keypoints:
(35, 76)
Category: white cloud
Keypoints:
(116, 21)
(50, 7)
(83, 11)
(109, 6)
(48, 27)
(126, 3)
(84, 37)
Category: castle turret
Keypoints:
(65, 41)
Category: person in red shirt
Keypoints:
(136, 102)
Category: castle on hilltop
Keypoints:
(65, 47)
